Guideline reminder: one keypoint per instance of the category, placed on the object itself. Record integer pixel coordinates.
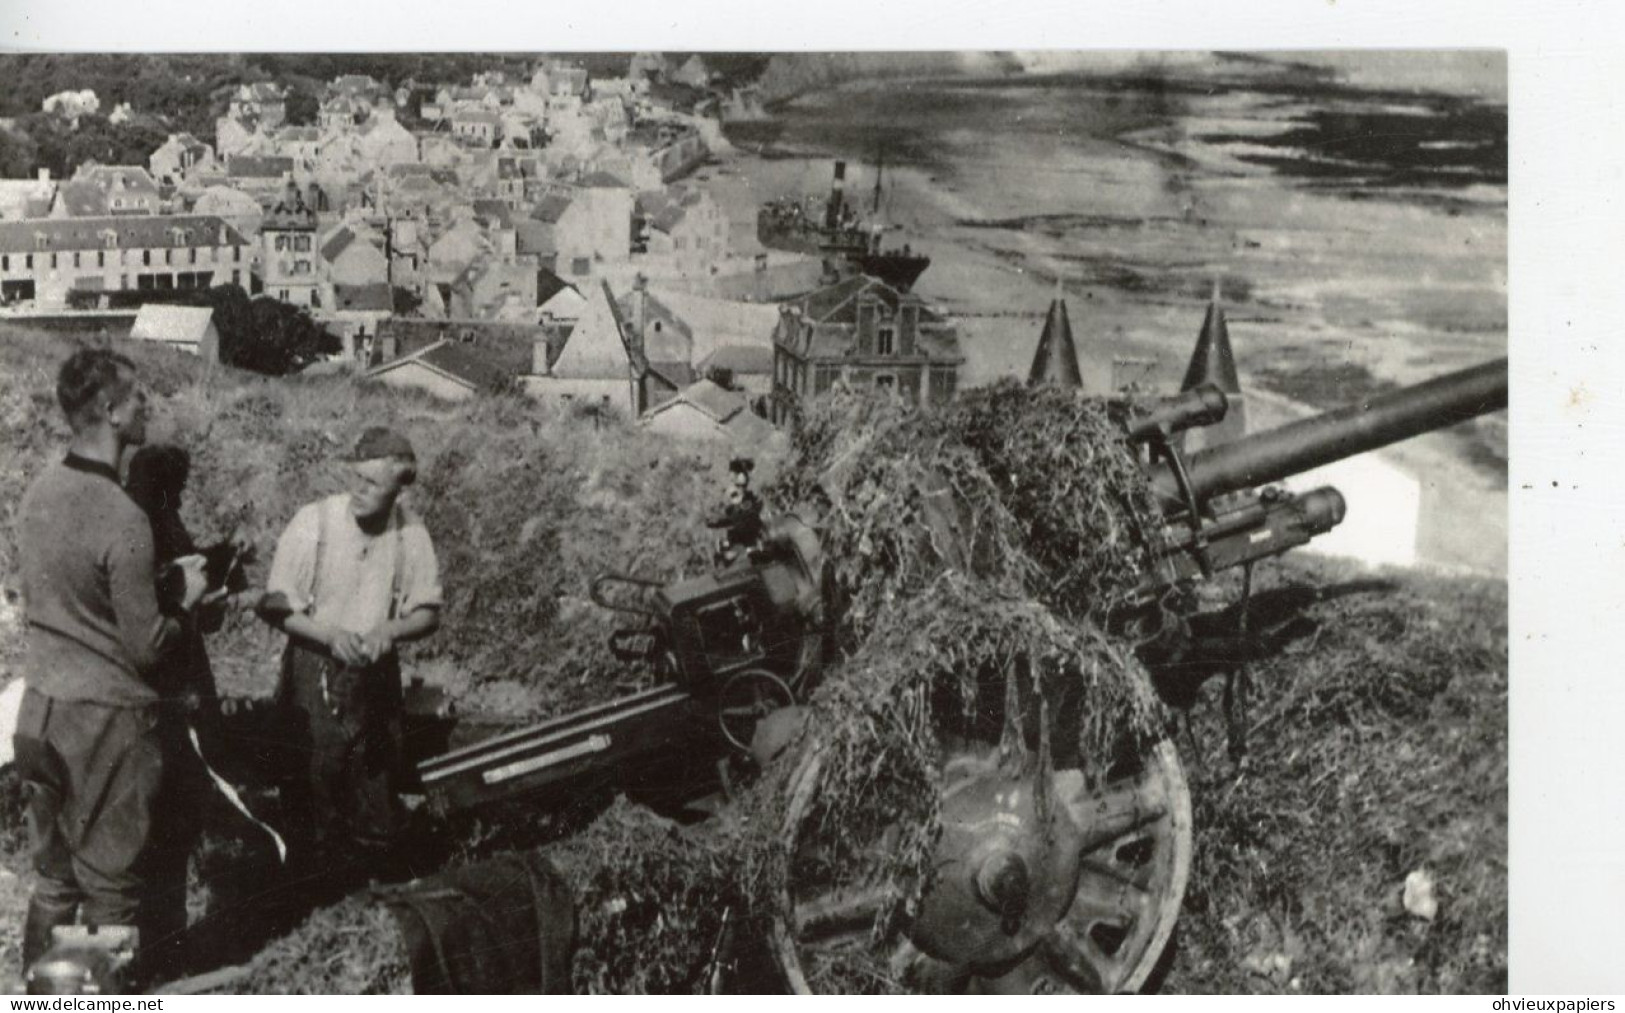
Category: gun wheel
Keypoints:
(1086, 907)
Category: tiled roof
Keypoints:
(475, 116)
(549, 285)
(551, 208)
(258, 166)
(134, 232)
(337, 243)
(80, 199)
(374, 297)
(467, 364)
(743, 360)
(603, 180)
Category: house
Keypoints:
(356, 312)
(687, 229)
(238, 208)
(595, 229)
(556, 299)
(706, 410)
(559, 79)
(603, 362)
(301, 144)
(862, 332)
(98, 190)
(748, 368)
(383, 141)
(350, 257)
(235, 135)
(263, 177)
(27, 198)
(184, 328)
(455, 249)
(287, 269)
(480, 127)
(693, 73)
(43, 260)
(494, 290)
(178, 156)
(447, 369)
(263, 102)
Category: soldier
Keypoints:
(353, 577)
(87, 743)
(740, 517)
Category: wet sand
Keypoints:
(1358, 233)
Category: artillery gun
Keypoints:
(1078, 895)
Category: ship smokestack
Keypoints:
(832, 214)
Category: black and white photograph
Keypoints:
(781, 520)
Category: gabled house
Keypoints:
(183, 328)
(27, 198)
(447, 369)
(383, 141)
(263, 102)
(862, 332)
(557, 301)
(351, 256)
(706, 410)
(178, 157)
(235, 206)
(476, 126)
(455, 249)
(354, 314)
(595, 229)
(287, 268)
(603, 362)
(686, 229)
(98, 190)
(494, 290)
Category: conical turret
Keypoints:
(1056, 359)
(1214, 362)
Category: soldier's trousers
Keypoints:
(91, 774)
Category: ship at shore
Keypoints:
(833, 230)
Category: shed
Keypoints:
(186, 328)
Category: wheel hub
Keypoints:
(1004, 870)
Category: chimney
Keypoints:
(538, 355)
(44, 175)
(832, 214)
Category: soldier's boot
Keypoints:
(44, 914)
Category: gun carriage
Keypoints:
(1082, 896)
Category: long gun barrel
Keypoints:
(1292, 449)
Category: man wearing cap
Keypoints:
(354, 576)
(87, 742)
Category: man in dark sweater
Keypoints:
(86, 741)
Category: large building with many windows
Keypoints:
(863, 333)
(42, 260)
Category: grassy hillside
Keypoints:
(1377, 734)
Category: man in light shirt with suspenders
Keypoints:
(354, 576)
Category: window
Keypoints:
(885, 381)
(5, 262)
(236, 255)
(236, 277)
(75, 258)
(28, 261)
(123, 281)
(101, 258)
(886, 341)
(169, 255)
(110, 239)
(146, 258)
(191, 255)
(581, 265)
(53, 261)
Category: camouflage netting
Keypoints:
(975, 555)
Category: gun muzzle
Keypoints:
(1323, 509)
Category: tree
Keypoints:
(18, 154)
(301, 105)
(275, 339)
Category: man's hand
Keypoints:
(379, 641)
(351, 649)
(192, 569)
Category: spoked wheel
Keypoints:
(1079, 894)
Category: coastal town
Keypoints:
(746, 463)
(552, 234)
